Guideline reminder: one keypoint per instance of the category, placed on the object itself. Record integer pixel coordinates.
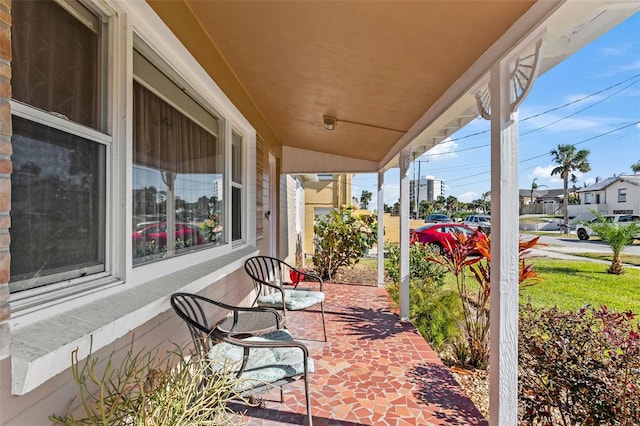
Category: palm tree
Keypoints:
(635, 167)
(534, 186)
(569, 160)
(618, 236)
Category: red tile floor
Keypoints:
(374, 369)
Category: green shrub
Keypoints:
(145, 390)
(579, 367)
(340, 239)
(434, 311)
(419, 267)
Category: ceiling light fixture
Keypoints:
(329, 122)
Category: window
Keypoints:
(60, 141)
(622, 195)
(237, 188)
(178, 169)
(588, 198)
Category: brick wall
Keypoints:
(5, 171)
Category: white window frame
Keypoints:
(142, 293)
(622, 195)
(105, 137)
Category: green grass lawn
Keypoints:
(570, 284)
(573, 284)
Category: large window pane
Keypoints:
(57, 205)
(177, 181)
(56, 60)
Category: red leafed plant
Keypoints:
(474, 253)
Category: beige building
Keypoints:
(323, 194)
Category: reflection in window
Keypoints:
(57, 205)
(58, 195)
(177, 180)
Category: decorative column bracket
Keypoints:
(524, 72)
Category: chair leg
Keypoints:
(324, 326)
(306, 393)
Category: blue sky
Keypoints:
(601, 83)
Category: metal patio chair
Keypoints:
(269, 277)
(248, 341)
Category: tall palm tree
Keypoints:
(569, 160)
(635, 167)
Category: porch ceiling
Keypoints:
(402, 69)
(378, 63)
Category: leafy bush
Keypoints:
(143, 390)
(419, 267)
(579, 367)
(434, 312)
(341, 239)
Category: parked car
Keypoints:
(438, 235)
(481, 222)
(437, 218)
(584, 231)
(157, 232)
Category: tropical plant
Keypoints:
(459, 257)
(340, 239)
(617, 235)
(569, 160)
(635, 167)
(578, 367)
(146, 390)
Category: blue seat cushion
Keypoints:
(265, 365)
(294, 299)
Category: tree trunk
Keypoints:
(565, 203)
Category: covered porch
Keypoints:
(374, 370)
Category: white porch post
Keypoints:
(503, 388)
(405, 160)
(380, 228)
(511, 80)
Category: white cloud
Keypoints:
(545, 173)
(391, 193)
(468, 197)
(444, 150)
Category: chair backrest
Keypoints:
(266, 270)
(189, 307)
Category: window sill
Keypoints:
(104, 320)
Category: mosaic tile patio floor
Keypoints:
(374, 370)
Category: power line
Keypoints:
(546, 112)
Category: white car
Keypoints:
(481, 222)
(584, 231)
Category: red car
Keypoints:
(158, 233)
(436, 234)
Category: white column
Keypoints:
(503, 387)
(405, 160)
(380, 228)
